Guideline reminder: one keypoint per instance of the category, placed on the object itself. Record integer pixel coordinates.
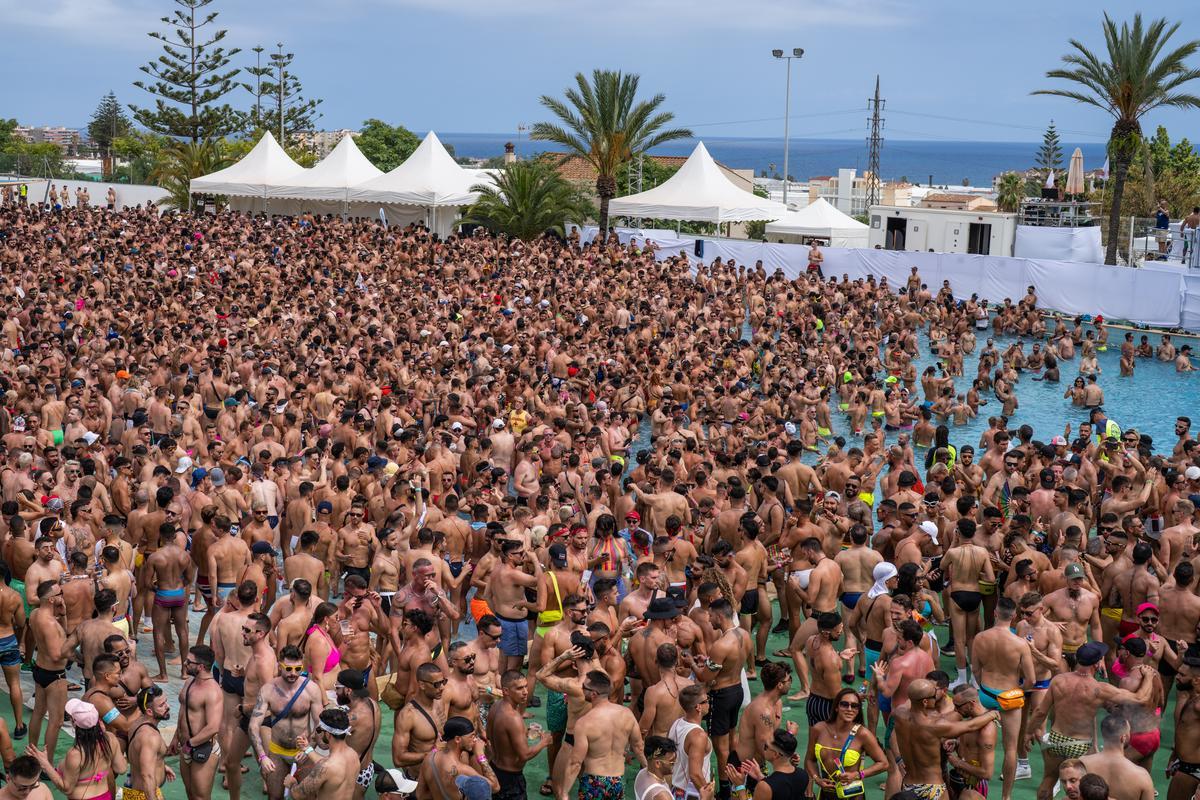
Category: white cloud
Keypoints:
(659, 17)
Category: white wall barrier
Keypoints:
(1159, 297)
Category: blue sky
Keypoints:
(949, 70)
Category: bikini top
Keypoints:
(335, 656)
(847, 757)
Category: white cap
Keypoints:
(931, 529)
(91, 439)
(184, 465)
(456, 426)
(497, 423)
(789, 428)
(1192, 473)
(506, 349)
(404, 784)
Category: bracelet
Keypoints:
(481, 759)
(261, 757)
(741, 788)
(860, 774)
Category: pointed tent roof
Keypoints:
(264, 166)
(343, 168)
(819, 218)
(428, 177)
(698, 191)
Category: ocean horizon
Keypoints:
(949, 162)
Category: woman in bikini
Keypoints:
(321, 653)
(837, 749)
(87, 772)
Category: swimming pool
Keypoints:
(1149, 401)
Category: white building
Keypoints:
(942, 231)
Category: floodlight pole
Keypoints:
(797, 53)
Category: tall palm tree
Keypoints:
(1011, 191)
(604, 124)
(1136, 75)
(528, 199)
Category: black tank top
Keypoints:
(787, 784)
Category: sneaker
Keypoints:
(1024, 771)
(781, 627)
(948, 649)
(534, 701)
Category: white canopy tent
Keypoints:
(428, 178)
(325, 189)
(248, 182)
(699, 191)
(818, 220)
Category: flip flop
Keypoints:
(20, 732)
(761, 662)
(847, 677)
(782, 654)
(547, 788)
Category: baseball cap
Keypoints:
(1144, 607)
(394, 780)
(54, 504)
(1073, 572)
(1136, 646)
(1090, 654)
(633, 515)
(456, 426)
(184, 465)
(558, 554)
(262, 549)
(832, 495)
(1192, 473)
(931, 529)
(1059, 441)
(473, 787)
(198, 475)
(217, 476)
(92, 438)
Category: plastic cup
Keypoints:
(534, 733)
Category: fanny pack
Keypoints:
(201, 752)
(854, 788)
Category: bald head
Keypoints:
(921, 689)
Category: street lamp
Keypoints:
(797, 52)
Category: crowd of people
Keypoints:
(332, 475)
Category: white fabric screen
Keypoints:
(1059, 244)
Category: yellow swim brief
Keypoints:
(137, 794)
(1115, 614)
(283, 752)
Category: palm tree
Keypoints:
(1011, 192)
(528, 199)
(604, 124)
(183, 160)
(1138, 74)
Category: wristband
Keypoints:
(741, 788)
(261, 757)
(860, 774)
(481, 759)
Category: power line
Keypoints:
(994, 123)
(772, 119)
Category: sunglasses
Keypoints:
(849, 704)
(439, 684)
(294, 670)
(1148, 619)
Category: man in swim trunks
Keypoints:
(148, 768)
(1002, 662)
(965, 565)
(1075, 698)
(12, 631)
(920, 731)
(1184, 767)
(603, 735)
(200, 710)
(971, 762)
(50, 666)
(165, 571)
(290, 705)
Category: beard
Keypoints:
(1074, 593)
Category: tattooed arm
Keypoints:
(311, 784)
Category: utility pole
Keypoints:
(797, 53)
(874, 144)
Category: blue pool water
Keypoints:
(1149, 401)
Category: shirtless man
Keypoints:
(453, 764)
(290, 705)
(763, 716)
(351, 693)
(1077, 608)
(604, 735)
(508, 737)
(12, 633)
(1126, 780)
(971, 762)
(1075, 698)
(722, 671)
(1046, 647)
(148, 768)
(1001, 662)
(418, 721)
(1185, 775)
(661, 700)
(91, 633)
(228, 557)
(54, 647)
(506, 596)
(920, 731)
(332, 776)
(200, 710)
(964, 566)
(755, 607)
(165, 571)
(566, 674)
(355, 544)
(303, 563)
(364, 611)
(820, 593)
(243, 653)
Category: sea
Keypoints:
(950, 163)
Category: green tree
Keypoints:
(279, 94)
(1011, 192)
(108, 123)
(653, 174)
(605, 124)
(258, 89)
(528, 199)
(1160, 150)
(190, 78)
(1050, 154)
(183, 161)
(7, 138)
(1135, 75)
(384, 145)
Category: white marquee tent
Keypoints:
(699, 191)
(430, 179)
(325, 188)
(819, 220)
(248, 182)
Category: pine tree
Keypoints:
(109, 122)
(190, 78)
(299, 113)
(261, 75)
(1050, 154)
